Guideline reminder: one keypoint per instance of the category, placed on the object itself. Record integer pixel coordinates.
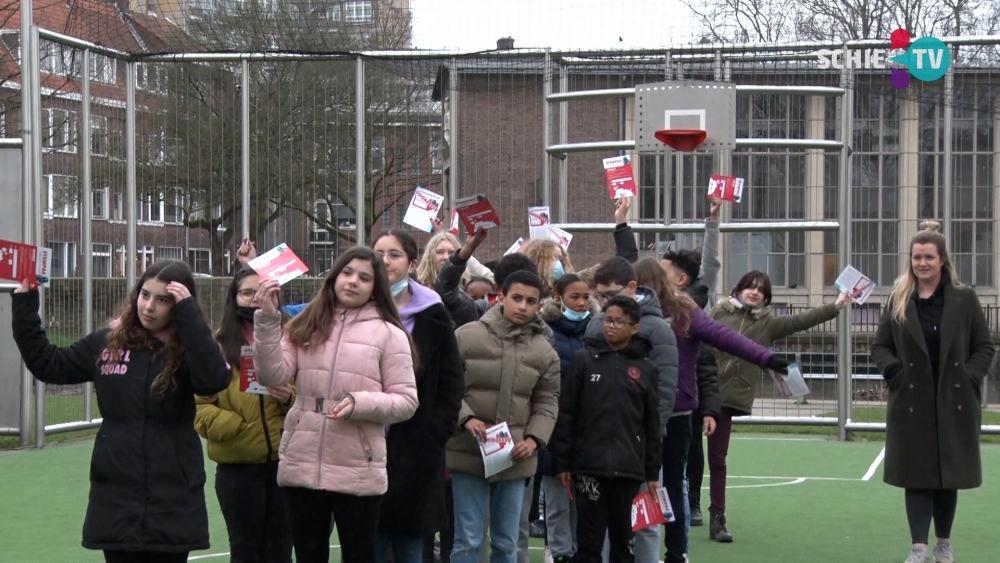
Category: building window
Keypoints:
(378, 153)
(101, 259)
(399, 160)
(59, 60)
(328, 12)
(60, 130)
(436, 150)
(63, 259)
(102, 69)
(386, 218)
(778, 179)
(414, 165)
(971, 236)
(200, 260)
(651, 180)
(61, 195)
(99, 135)
(149, 77)
(170, 253)
(173, 209)
(12, 40)
(145, 257)
(400, 213)
(117, 212)
(358, 11)
(100, 203)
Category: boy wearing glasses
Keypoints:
(606, 442)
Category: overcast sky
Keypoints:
(475, 25)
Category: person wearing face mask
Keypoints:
(568, 315)
(243, 429)
(414, 508)
(552, 262)
(748, 312)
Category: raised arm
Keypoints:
(710, 264)
(728, 340)
(398, 399)
(783, 327)
(274, 357)
(47, 362)
(207, 368)
(624, 237)
(463, 308)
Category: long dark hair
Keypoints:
(675, 304)
(312, 326)
(754, 278)
(230, 335)
(405, 240)
(128, 332)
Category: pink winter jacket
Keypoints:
(365, 357)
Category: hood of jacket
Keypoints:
(551, 311)
(698, 291)
(421, 299)
(497, 324)
(637, 348)
(649, 303)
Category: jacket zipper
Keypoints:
(329, 389)
(267, 433)
(366, 445)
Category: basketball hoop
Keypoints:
(682, 139)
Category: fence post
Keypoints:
(546, 130)
(563, 210)
(130, 166)
(845, 366)
(245, 144)
(86, 216)
(29, 99)
(949, 111)
(360, 214)
(453, 84)
(36, 232)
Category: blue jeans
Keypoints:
(505, 499)
(687, 514)
(405, 549)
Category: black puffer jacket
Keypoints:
(147, 473)
(608, 422)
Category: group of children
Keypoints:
(381, 390)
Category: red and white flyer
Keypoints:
(539, 221)
(621, 179)
(19, 262)
(453, 229)
(560, 237)
(248, 374)
(649, 509)
(423, 209)
(728, 188)
(496, 449)
(280, 264)
(516, 247)
(855, 284)
(477, 213)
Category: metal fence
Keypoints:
(132, 158)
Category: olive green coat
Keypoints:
(932, 439)
(738, 378)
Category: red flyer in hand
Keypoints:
(476, 213)
(248, 374)
(649, 509)
(621, 180)
(279, 263)
(728, 188)
(453, 229)
(19, 262)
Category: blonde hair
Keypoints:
(540, 252)
(677, 305)
(427, 269)
(906, 283)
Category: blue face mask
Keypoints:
(575, 316)
(557, 271)
(400, 286)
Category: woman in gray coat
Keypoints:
(934, 348)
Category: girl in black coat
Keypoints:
(147, 474)
(414, 507)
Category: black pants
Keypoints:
(255, 512)
(604, 506)
(696, 463)
(313, 513)
(676, 446)
(447, 533)
(144, 557)
(924, 504)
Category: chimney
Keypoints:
(505, 44)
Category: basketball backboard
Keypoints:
(710, 106)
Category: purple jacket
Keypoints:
(704, 329)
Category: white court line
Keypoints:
(874, 466)
(749, 439)
(775, 478)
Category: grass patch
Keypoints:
(59, 408)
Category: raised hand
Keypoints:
(246, 252)
(843, 300)
(23, 287)
(713, 211)
(622, 205)
(178, 291)
(267, 295)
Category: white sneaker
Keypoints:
(548, 554)
(943, 554)
(919, 555)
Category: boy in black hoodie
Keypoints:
(607, 437)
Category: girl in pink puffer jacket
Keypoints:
(353, 364)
